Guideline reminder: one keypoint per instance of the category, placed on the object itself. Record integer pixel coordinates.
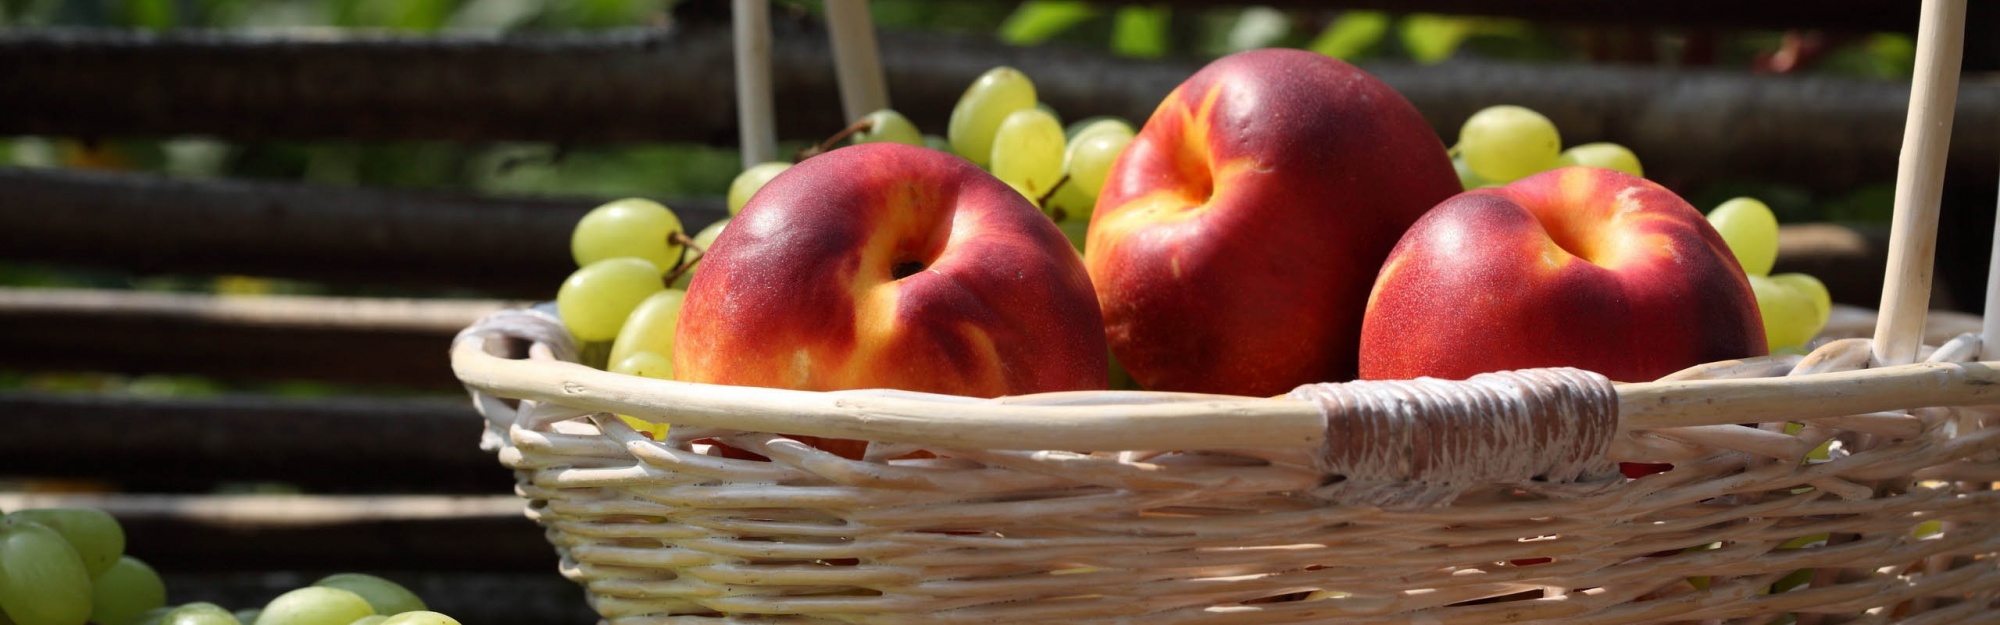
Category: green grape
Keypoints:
(315, 605)
(125, 591)
(42, 579)
(992, 97)
(889, 125)
(1815, 292)
(937, 143)
(199, 613)
(95, 535)
(1077, 231)
(1069, 204)
(1789, 316)
(1025, 193)
(1028, 152)
(1095, 123)
(1927, 528)
(1505, 143)
(246, 616)
(1751, 231)
(1090, 156)
(153, 616)
(1602, 154)
(704, 240)
(385, 596)
(645, 345)
(747, 184)
(1466, 179)
(372, 619)
(645, 365)
(649, 328)
(420, 618)
(594, 301)
(634, 227)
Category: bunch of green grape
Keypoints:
(67, 566)
(339, 599)
(633, 263)
(1795, 306)
(1504, 143)
(999, 125)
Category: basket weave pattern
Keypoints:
(1491, 501)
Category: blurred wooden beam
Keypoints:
(140, 223)
(1688, 125)
(321, 444)
(388, 343)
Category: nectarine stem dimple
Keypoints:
(906, 269)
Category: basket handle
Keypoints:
(1906, 288)
(1399, 443)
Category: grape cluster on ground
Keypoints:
(67, 566)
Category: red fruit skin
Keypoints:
(1237, 236)
(800, 292)
(1575, 267)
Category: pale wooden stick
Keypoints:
(1906, 290)
(856, 61)
(1989, 334)
(755, 115)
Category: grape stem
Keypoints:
(861, 125)
(691, 253)
(1042, 203)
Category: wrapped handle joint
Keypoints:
(1424, 442)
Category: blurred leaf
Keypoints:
(1141, 32)
(162, 385)
(1037, 20)
(195, 157)
(1432, 38)
(44, 276)
(495, 14)
(655, 171)
(282, 14)
(1257, 27)
(220, 13)
(150, 14)
(1354, 33)
(1874, 203)
(1895, 50)
(34, 152)
(559, 14)
(1882, 56)
(411, 15)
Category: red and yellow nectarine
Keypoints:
(1235, 240)
(1574, 267)
(885, 265)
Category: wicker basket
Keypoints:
(1820, 488)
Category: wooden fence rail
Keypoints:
(350, 444)
(427, 242)
(384, 343)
